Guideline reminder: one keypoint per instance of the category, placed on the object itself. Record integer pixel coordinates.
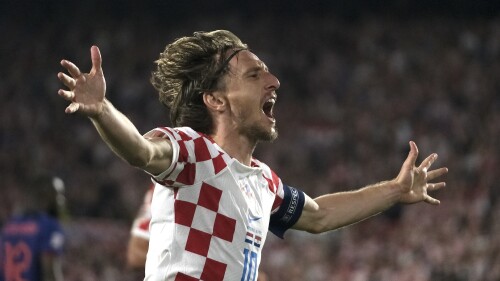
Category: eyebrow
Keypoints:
(259, 67)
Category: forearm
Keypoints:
(337, 210)
(346, 208)
(121, 135)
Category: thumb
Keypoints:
(95, 55)
(412, 156)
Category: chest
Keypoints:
(254, 200)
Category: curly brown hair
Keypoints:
(189, 67)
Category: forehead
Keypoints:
(244, 61)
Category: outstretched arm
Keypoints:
(336, 210)
(86, 94)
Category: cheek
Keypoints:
(242, 111)
(244, 108)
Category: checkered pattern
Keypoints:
(209, 197)
(196, 215)
(198, 157)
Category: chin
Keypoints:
(262, 134)
(270, 135)
(273, 135)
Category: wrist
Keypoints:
(395, 190)
(101, 111)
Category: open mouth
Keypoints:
(268, 106)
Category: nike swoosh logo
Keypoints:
(254, 218)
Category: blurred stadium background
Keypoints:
(359, 79)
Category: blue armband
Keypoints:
(289, 211)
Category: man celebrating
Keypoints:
(213, 202)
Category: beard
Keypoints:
(258, 133)
(256, 129)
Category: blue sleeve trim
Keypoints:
(289, 212)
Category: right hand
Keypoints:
(86, 90)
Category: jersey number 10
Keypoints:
(250, 268)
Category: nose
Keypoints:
(273, 83)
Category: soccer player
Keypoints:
(32, 239)
(213, 202)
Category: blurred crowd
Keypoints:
(353, 92)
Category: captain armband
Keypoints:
(289, 211)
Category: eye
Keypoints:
(254, 75)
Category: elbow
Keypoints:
(154, 158)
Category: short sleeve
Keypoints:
(195, 157)
(170, 134)
(288, 212)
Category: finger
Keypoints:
(72, 68)
(435, 186)
(412, 156)
(66, 80)
(72, 108)
(95, 55)
(426, 164)
(67, 95)
(436, 173)
(431, 200)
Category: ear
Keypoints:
(214, 101)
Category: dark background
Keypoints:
(359, 79)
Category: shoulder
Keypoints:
(196, 157)
(272, 178)
(187, 142)
(175, 134)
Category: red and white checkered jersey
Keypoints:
(210, 213)
(140, 226)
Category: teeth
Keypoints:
(268, 107)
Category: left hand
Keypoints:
(414, 181)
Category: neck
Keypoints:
(236, 145)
